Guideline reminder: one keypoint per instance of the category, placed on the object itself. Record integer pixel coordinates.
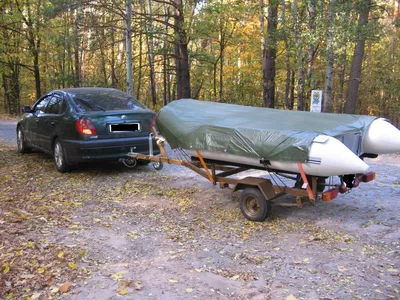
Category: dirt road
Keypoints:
(8, 134)
(107, 232)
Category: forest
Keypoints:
(270, 53)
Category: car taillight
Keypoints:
(153, 121)
(85, 127)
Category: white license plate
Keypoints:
(125, 127)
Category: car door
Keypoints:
(34, 124)
(52, 120)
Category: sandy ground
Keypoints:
(173, 235)
(348, 248)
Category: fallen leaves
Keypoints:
(36, 296)
(65, 287)
(124, 284)
(234, 275)
(6, 269)
(118, 275)
(122, 292)
(137, 285)
(34, 265)
(212, 231)
(72, 266)
(133, 235)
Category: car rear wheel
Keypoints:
(21, 143)
(60, 157)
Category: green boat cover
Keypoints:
(256, 132)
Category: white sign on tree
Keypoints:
(316, 101)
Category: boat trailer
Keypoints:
(257, 193)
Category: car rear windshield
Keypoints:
(105, 101)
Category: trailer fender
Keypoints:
(264, 185)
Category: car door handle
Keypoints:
(37, 120)
(53, 123)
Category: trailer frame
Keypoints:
(258, 192)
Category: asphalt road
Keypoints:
(8, 131)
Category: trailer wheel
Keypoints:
(158, 165)
(253, 205)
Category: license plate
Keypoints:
(126, 127)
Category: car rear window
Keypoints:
(105, 101)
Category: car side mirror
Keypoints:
(26, 109)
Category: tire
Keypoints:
(158, 165)
(60, 157)
(253, 205)
(21, 143)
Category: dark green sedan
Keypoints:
(86, 124)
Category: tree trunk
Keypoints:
(299, 58)
(34, 45)
(215, 79)
(70, 54)
(311, 49)
(36, 70)
(77, 44)
(113, 74)
(269, 83)
(149, 36)
(327, 101)
(355, 73)
(165, 78)
(166, 83)
(342, 74)
(181, 53)
(395, 111)
(221, 63)
(129, 76)
(221, 72)
(103, 58)
(292, 92)
(11, 85)
(140, 66)
(342, 63)
(268, 47)
(287, 56)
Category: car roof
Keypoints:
(91, 90)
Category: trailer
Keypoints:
(257, 193)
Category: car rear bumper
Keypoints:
(106, 149)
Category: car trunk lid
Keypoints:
(120, 124)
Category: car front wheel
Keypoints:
(21, 143)
(60, 157)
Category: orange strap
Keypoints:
(305, 180)
(205, 166)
